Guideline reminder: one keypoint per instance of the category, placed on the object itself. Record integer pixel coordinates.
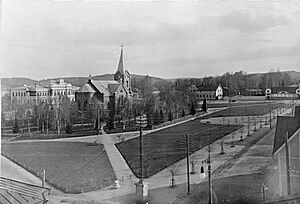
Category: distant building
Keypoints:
(50, 93)
(208, 92)
(283, 92)
(254, 92)
(287, 137)
(101, 92)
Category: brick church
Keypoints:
(101, 93)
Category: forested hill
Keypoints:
(237, 81)
(8, 83)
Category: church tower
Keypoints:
(122, 75)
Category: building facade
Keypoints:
(50, 93)
(286, 149)
(102, 92)
(283, 93)
(211, 93)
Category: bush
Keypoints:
(69, 129)
(15, 127)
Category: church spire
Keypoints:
(121, 63)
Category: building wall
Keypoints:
(294, 152)
(35, 94)
(205, 94)
(282, 95)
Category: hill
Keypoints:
(8, 83)
(295, 76)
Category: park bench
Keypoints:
(16, 192)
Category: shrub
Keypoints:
(69, 129)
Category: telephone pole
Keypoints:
(287, 158)
(187, 162)
(209, 178)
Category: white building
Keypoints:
(50, 93)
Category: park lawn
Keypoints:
(246, 110)
(226, 104)
(167, 146)
(72, 167)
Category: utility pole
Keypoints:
(270, 119)
(141, 150)
(287, 158)
(248, 126)
(187, 162)
(44, 178)
(209, 178)
(98, 121)
(141, 186)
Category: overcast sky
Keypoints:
(43, 39)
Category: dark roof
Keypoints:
(285, 89)
(113, 87)
(286, 124)
(14, 191)
(207, 88)
(86, 89)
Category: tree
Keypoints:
(182, 113)
(156, 118)
(192, 110)
(204, 105)
(111, 114)
(170, 117)
(161, 116)
(15, 127)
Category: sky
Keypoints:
(170, 39)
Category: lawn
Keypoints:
(165, 147)
(73, 167)
(246, 110)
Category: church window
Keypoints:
(127, 84)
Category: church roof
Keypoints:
(103, 86)
(113, 87)
(121, 63)
(86, 89)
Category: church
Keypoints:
(99, 93)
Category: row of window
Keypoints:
(62, 92)
(55, 93)
(205, 96)
(18, 94)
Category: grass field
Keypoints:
(232, 104)
(72, 167)
(164, 147)
(246, 110)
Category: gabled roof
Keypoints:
(104, 86)
(284, 89)
(113, 87)
(86, 89)
(284, 125)
(207, 88)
